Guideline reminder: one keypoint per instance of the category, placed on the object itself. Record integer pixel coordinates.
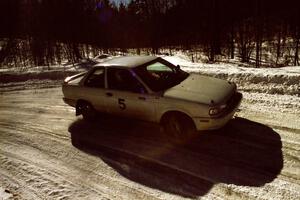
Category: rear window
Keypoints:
(76, 79)
(158, 67)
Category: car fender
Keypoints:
(167, 105)
(165, 112)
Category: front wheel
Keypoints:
(179, 128)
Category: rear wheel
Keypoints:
(87, 110)
(179, 128)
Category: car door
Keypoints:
(94, 89)
(128, 97)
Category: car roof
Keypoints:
(127, 61)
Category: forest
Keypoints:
(47, 32)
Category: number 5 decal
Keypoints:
(122, 104)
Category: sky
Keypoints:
(118, 1)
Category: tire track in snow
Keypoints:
(70, 162)
(44, 181)
(94, 180)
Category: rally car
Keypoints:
(152, 89)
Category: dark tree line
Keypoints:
(45, 32)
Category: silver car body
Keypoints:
(209, 102)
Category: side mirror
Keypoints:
(177, 68)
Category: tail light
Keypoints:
(67, 79)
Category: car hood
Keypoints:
(202, 89)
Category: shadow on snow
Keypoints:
(243, 153)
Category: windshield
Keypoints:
(160, 76)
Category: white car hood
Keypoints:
(202, 89)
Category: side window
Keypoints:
(96, 79)
(122, 79)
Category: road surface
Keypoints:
(48, 153)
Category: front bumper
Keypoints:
(220, 121)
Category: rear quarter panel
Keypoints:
(71, 91)
(95, 96)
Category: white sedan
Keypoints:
(152, 89)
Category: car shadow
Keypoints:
(243, 153)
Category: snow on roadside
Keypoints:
(278, 103)
(29, 84)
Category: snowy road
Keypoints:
(256, 156)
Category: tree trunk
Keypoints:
(296, 60)
(258, 52)
(212, 54)
(258, 33)
(242, 42)
(232, 43)
(278, 49)
(138, 51)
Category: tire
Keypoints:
(87, 110)
(179, 128)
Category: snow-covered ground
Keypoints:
(256, 156)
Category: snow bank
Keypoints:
(285, 80)
(29, 76)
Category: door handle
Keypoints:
(142, 98)
(109, 94)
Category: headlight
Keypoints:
(216, 110)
